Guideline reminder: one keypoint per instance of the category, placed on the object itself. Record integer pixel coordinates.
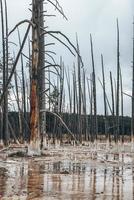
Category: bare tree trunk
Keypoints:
(24, 134)
(69, 90)
(90, 91)
(5, 75)
(42, 95)
(113, 104)
(94, 92)
(75, 104)
(6, 65)
(61, 85)
(122, 113)
(105, 101)
(79, 95)
(132, 121)
(118, 89)
(61, 95)
(74, 91)
(19, 108)
(85, 120)
(89, 118)
(34, 96)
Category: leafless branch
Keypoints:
(64, 36)
(21, 22)
(63, 123)
(58, 7)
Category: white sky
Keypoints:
(97, 17)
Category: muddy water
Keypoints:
(68, 177)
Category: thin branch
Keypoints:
(63, 35)
(106, 97)
(51, 65)
(59, 9)
(14, 65)
(128, 95)
(50, 57)
(21, 22)
(64, 124)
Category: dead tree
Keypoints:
(69, 90)
(79, 94)
(61, 88)
(132, 121)
(118, 84)
(95, 125)
(84, 104)
(4, 27)
(122, 111)
(61, 85)
(19, 107)
(34, 91)
(74, 91)
(24, 135)
(37, 68)
(42, 86)
(113, 105)
(105, 101)
(75, 102)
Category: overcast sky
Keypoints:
(97, 17)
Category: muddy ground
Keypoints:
(95, 172)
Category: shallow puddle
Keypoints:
(67, 179)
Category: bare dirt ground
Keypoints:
(92, 172)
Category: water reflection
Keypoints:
(3, 179)
(68, 179)
(35, 181)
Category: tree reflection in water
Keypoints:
(67, 179)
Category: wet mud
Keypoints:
(68, 173)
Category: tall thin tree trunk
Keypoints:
(74, 91)
(5, 75)
(132, 121)
(122, 112)
(118, 88)
(24, 135)
(85, 121)
(105, 101)
(90, 103)
(34, 95)
(113, 104)
(19, 107)
(90, 90)
(69, 90)
(94, 92)
(6, 65)
(74, 101)
(79, 94)
(42, 75)
(61, 94)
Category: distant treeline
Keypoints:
(71, 120)
(55, 128)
